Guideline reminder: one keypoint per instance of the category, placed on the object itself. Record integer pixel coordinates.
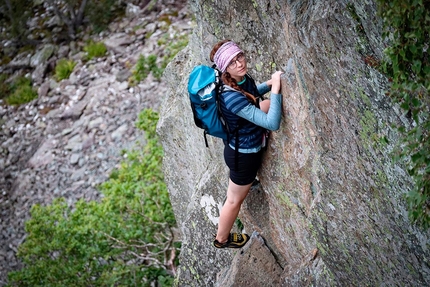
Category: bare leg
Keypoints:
(265, 105)
(235, 196)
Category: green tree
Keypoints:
(14, 15)
(407, 27)
(73, 12)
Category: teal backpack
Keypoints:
(204, 89)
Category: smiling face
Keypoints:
(237, 67)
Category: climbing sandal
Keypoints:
(235, 240)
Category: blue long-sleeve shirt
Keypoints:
(237, 109)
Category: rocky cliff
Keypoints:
(330, 208)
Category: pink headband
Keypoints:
(225, 54)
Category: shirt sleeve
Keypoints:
(235, 101)
(271, 120)
(263, 88)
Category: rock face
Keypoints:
(330, 206)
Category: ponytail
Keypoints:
(228, 80)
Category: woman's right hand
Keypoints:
(276, 82)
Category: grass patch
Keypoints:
(63, 69)
(19, 92)
(95, 50)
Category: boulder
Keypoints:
(330, 206)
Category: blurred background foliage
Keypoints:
(127, 238)
(407, 28)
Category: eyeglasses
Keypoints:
(240, 57)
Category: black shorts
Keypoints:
(247, 165)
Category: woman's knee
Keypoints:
(234, 202)
(236, 193)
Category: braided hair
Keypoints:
(226, 77)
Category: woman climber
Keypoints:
(241, 108)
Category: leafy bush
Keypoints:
(64, 68)
(19, 92)
(147, 65)
(95, 50)
(125, 239)
(143, 67)
(407, 25)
